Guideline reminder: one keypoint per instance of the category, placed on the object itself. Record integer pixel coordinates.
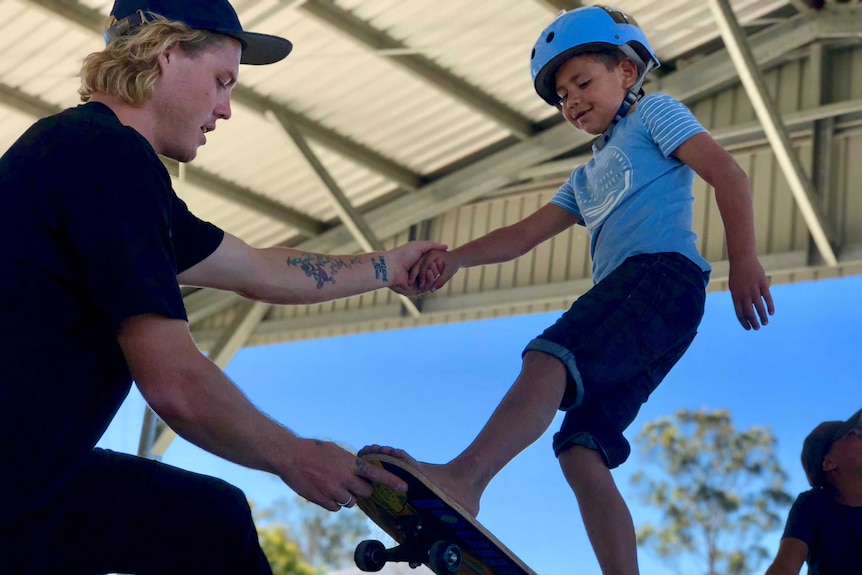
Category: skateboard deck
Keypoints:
(430, 529)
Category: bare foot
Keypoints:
(464, 489)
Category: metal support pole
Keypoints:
(156, 436)
(824, 129)
(776, 133)
(349, 216)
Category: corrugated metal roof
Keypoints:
(398, 99)
(354, 73)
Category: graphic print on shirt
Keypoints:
(607, 180)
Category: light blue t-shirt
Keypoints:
(633, 196)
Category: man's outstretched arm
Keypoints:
(198, 401)
(289, 276)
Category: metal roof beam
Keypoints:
(305, 225)
(14, 98)
(755, 85)
(349, 215)
(800, 124)
(800, 5)
(156, 436)
(425, 68)
(331, 139)
(717, 71)
(75, 12)
(560, 5)
(558, 294)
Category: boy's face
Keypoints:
(846, 454)
(590, 94)
(191, 94)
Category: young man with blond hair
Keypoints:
(101, 246)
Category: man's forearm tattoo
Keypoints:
(321, 268)
(380, 269)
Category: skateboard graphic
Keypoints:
(430, 530)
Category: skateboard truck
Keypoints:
(429, 528)
(443, 557)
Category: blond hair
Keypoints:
(128, 66)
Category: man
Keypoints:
(96, 247)
(824, 527)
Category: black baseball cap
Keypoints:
(819, 442)
(211, 15)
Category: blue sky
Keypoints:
(430, 390)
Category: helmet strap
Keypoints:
(632, 95)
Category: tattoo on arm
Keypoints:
(321, 268)
(380, 269)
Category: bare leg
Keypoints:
(521, 418)
(606, 515)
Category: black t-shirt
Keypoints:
(91, 233)
(832, 531)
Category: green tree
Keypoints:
(282, 552)
(324, 540)
(717, 491)
(327, 539)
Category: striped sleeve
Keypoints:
(669, 122)
(565, 196)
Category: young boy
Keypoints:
(603, 358)
(824, 527)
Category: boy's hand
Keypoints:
(749, 289)
(433, 270)
(404, 260)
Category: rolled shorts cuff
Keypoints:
(568, 359)
(582, 438)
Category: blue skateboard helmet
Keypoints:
(583, 30)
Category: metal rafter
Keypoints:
(156, 436)
(329, 14)
(342, 145)
(792, 265)
(14, 98)
(349, 215)
(559, 5)
(776, 133)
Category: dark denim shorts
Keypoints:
(618, 341)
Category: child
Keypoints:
(824, 527)
(601, 360)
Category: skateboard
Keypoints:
(430, 530)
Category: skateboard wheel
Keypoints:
(444, 558)
(369, 555)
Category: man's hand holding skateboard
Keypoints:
(324, 473)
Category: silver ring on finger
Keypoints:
(347, 503)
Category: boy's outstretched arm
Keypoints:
(435, 268)
(749, 286)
